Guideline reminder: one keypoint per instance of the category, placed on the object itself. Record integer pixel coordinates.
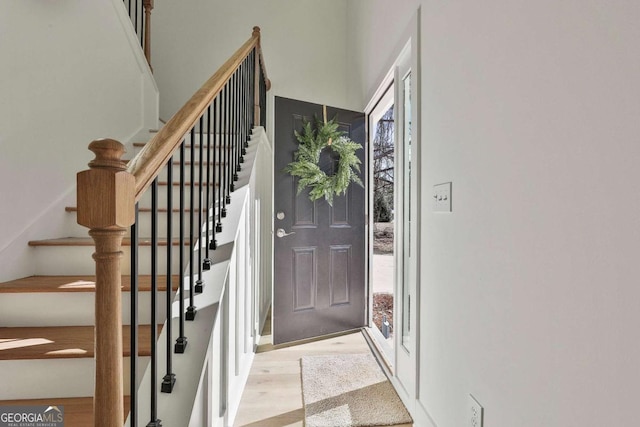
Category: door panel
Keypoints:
(304, 279)
(319, 285)
(340, 284)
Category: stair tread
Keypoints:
(38, 284)
(88, 241)
(78, 411)
(62, 342)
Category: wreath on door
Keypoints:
(312, 141)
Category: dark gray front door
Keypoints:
(319, 285)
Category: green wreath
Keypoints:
(305, 164)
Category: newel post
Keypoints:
(148, 7)
(256, 79)
(106, 200)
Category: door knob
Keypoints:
(281, 233)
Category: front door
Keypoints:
(319, 250)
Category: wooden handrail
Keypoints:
(157, 152)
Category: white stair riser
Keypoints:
(33, 379)
(187, 140)
(70, 309)
(72, 229)
(196, 172)
(144, 223)
(145, 200)
(77, 260)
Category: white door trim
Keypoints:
(406, 367)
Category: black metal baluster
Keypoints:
(232, 131)
(231, 164)
(206, 264)
(253, 87)
(213, 244)
(133, 325)
(169, 379)
(245, 109)
(135, 20)
(262, 93)
(191, 310)
(264, 101)
(181, 341)
(200, 189)
(232, 136)
(256, 90)
(221, 163)
(243, 151)
(243, 94)
(225, 111)
(234, 122)
(239, 141)
(142, 19)
(249, 99)
(155, 422)
(227, 150)
(239, 120)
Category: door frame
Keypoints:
(406, 369)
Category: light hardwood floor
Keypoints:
(273, 395)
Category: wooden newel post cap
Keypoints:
(106, 192)
(108, 154)
(256, 31)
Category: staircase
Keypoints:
(201, 184)
(47, 338)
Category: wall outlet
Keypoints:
(476, 413)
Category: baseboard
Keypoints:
(421, 416)
(234, 400)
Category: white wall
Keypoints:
(529, 289)
(69, 75)
(303, 42)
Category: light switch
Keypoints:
(442, 197)
(476, 413)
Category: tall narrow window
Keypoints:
(407, 214)
(383, 282)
